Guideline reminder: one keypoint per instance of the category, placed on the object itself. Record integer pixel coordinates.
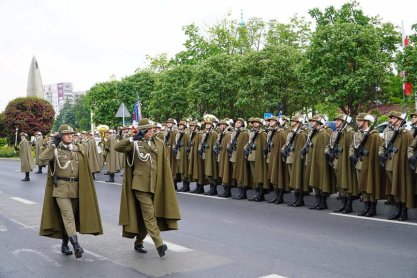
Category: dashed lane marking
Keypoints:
(185, 193)
(24, 201)
(171, 246)
(39, 254)
(273, 276)
(375, 219)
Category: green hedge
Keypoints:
(6, 151)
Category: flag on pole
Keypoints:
(137, 113)
(407, 89)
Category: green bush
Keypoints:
(3, 142)
(6, 151)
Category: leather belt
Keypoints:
(67, 179)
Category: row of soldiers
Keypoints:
(287, 155)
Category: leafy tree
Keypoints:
(66, 116)
(2, 127)
(349, 59)
(170, 95)
(82, 114)
(28, 114)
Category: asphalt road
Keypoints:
(217, 238)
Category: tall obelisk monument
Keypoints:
(35, 87)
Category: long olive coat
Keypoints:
(112, 157)
(169, 140)
(260, 173)
(165, 199)
(210, 161)
(402, 186)
(345, 172)
(93, 155)
(88, 219)
(241, 168)
(297, 181)
(225, 166)
(26, 160)
(196, 163)
(277, 168)
(182, 159)
(38, 145)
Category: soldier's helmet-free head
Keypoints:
(145, 123)
(65, 129)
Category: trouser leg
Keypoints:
(148, 213)
(68, 207)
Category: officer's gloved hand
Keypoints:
(57, 140)
(330, 155)
(139, 135)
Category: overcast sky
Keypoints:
(87, 41)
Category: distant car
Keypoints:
(331, 124)
(382, 126)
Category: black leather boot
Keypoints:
(372, 209)
(64, 247)
(261, 195)
(343, 202)
(275, 198)
(161, 250)
(323, 202)
(256, 194)
(175, 184)
(280, 198)
(77, 248)
(300, 200)
(200, 189)
(111, 178)
(404, 213)
(213, 190)
(242, 194)
(317, 202)
(227, 191)
(397, 213)
(348, 208)
(296, 194)
(39, 170)
(365, 208)
(26, 177)
(185, 187)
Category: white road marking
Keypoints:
(40, 254)
(22, 224)
(186, 193)
(201, 195)
(109, 182)
(99, 257)
(374, 219)
(3, 228)
(273, 276)
(17, 170)
(27, 202)
(171, 246)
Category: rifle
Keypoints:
(178, 145)
(415, 132)
(391, 149)
(308, 144)
(190, 144)
(232, 147)
(166, 137)
(217, 147)
(332, 154)
(289, 148)
(203, 147)
(269, 143)
(360, 150)
(251, 146)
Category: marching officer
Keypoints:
(70, 196)
(337, 153)
(25, 153)
(253, 152)
(393, 157)
(363, 153)
(148, 201)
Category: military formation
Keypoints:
(275, 155)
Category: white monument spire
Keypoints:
(34, 87)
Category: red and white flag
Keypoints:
(407, 89)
